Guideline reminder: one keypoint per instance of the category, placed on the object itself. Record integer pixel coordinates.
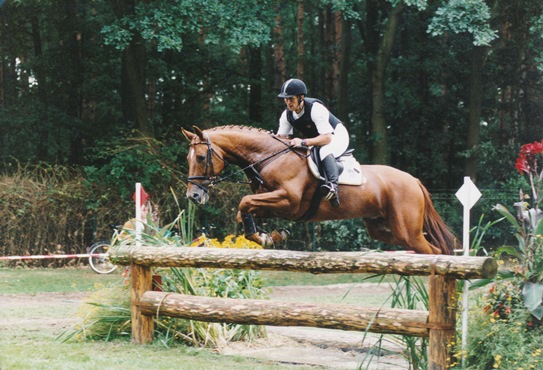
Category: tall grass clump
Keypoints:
(106, 314)
(43, 210)
(408, 292)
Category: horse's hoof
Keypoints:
(266, 240)
(280, 235)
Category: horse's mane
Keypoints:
(240, 128)
(265, 140)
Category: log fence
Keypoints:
(438, 323)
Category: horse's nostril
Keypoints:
(194, 197)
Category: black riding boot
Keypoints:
(330, 189)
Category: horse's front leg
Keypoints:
(265, 205)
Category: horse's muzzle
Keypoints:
(198, 197)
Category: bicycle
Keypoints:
(99, 260)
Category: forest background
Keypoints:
(93, 95)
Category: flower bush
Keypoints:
(230, 241)
(506, 324)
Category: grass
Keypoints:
(286, 278)
(65, 280)
(29, 327)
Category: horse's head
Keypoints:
(205, 164)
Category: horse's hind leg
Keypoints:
(402, 231)
(407, 231)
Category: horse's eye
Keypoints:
(200, 158)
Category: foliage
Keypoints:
(464, 16)
(511, 310)
(165, 23)
(133, 158)
(502, 334)
(528, 227)
(106, 316)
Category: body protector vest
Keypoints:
(304, 124)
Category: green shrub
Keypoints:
(502, 332)
(106, 314)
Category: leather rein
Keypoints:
(213, 179)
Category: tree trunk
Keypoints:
(379, 152)
(2, 66)
(280, 73)
(332, 43)
(474, 115)
(133, 85)
(43, 127)
(133, 72)
(71, 29)
(343, 78)
(300, 67)
(255, 76)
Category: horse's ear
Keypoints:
(199, 132)
(189, 135)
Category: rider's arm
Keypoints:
(285, 128)
(320, 140)
(320, 115)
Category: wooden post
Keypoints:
(142, 325)
(441, 321)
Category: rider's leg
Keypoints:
(328, 154)
(329, 188)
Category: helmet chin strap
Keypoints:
(300, 104)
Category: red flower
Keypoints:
(522, 164)
(527, 158)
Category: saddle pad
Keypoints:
(351, 175)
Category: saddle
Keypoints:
(348, 167)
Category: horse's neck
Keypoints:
(243, 150)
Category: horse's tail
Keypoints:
(436, 231)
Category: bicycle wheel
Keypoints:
(99, 260)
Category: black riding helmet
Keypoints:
(292, 88)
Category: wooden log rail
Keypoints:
(262, 312)
(458, 267)
(438, 323)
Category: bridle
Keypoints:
(212, 179)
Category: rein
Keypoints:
(214, 179)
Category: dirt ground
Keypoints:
(322, 348)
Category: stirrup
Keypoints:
(329, 191)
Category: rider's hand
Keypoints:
(296, 142)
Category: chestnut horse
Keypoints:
(395, 206)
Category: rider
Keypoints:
(319, 128)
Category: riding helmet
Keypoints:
(292, 87)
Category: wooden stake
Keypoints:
(442, 321)
(142, 325)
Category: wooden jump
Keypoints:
(438, 323)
